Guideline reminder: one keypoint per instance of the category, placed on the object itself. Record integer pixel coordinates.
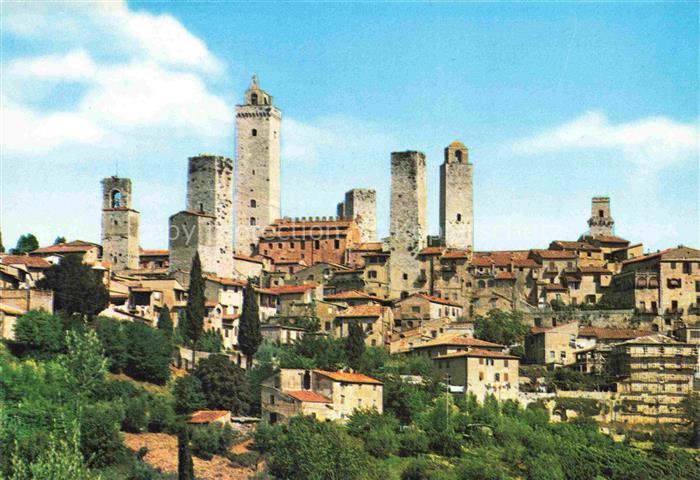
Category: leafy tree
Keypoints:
(77, 288)
(195, 306)
(165, 322)
(100, 440)
(25, 244)
(40, 333)
(185, 467)
(223, 383)
(211, 341)
(59, 240)
(148, 353)
(355, 345)
(111, 335)
(691, 408)
(505, 328)
(135, 418)
(249, 335)
(85, 361)
(188, 394)
(377, 431)
(161, 414)
(212, 439)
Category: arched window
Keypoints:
(254, 132)
(254, 99)
(116, 199)
(307, 380)
(458, 155)
(480, 284)
(253, 203)
(600, 213)
(252, 221)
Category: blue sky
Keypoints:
(556, 102)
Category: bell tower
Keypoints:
(120, 225)
(456, 198)
(600, 223)
(257, 166)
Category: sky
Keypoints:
(557, 103)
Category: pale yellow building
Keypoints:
(554, 345)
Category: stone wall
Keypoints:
(408, 221)
(361, 205)
(27, 299)
(456, 198)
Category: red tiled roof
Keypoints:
(154, 253)
(553, 287)
(555, 254)
(610, 239)
(31, 262)
(431, 251)
(477, 353)
(226, 281)
(210, 304)
(571, 245)
(612, 333)
(69, 247)
(247, 258)
(456, 254)
(307, 396)
(458, 341)
(206, 416)
(351, 294)
(505, 276)
(362, 311)
(499, 258)
(291, 289)
(348, 377)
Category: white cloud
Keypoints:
(76, 65)
(652, 143)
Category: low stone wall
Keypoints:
(595, 318)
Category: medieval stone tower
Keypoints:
(360, 204)
(600, 223)
(257, 167)
(408, 221)
(456, 198)
(120, 224)
(206, 226)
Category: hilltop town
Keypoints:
(318, 317)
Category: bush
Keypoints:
(223, 383)
(188, 395)
(161, 415)
(413, 441)
(111, 335)
(135, 420)
(148, 353)
(212, 439)
(100, 440)
(376, 430)
(40, 333)
(245, 460)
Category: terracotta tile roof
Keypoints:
(610, 239)
(154, 253)
(247, 258)
(553, 287)
(230, 316)
(30, 262)
(457, 254)
(680, 253)
(555, 254)
(348, 377)
(571, 245)
(526, 263)
(477, 353)
(351, 294)
(505, 276)
(457, 341)
(433, 299)
(210, 304)
(206, 416)
(307, 396)
(69, 247)
(226, 281)
(432, 251)
(612, 333)
(291, 289)
(499, 258)
(361, 311)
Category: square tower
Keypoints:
(601, 222)
(456, 198)
(257, 167)
(120, 225)
(206, 226)
(408, 221)
(360, 204)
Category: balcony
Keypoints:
(674, 311)
(646, 311)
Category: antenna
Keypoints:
(116, 166)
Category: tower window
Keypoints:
(459, 217)
(252, 221)
(254, 133)
(600, 213)
(458, 155)
(254, 99)
(253, 203)
(116, 199)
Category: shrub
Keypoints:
(148, 353)
(223, 383)
(100, 440)
(413, 441)
(245, 460)
(188, 394)
(212, 439)
(135, 420)
(376, 430)
(161, 415)
(40, 333)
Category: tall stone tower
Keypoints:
(120, 225)
(206, 226)
(601, 222)
(257, 166)
(408, 221)
(360, 204)
(456, 198)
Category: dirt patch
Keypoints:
(162, 454)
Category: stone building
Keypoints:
(552, 346)
(654, 374)
(456, 198)
(408, 221)
(206, 226)
(257, 166)
(311, 240)
(376, 322)
(360, 204)
(120, 225)
(601, 222)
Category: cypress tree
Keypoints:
(195, 305)
(355, 344)
(185, 468)
(249, 336)
(165, 322)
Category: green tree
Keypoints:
(249, 335)
(111, 335)
(165, 322)
(223, 383)
(377, 431)
(148, 353)
(40, 333)
(59, 240)
(355, 345)
(185, 467)
(188, 395)
(85, 361)
(195, 306)
(25, 244)
(100, 440)
(505, 328)
(77, 288)
(211, 341)
(691, 408)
